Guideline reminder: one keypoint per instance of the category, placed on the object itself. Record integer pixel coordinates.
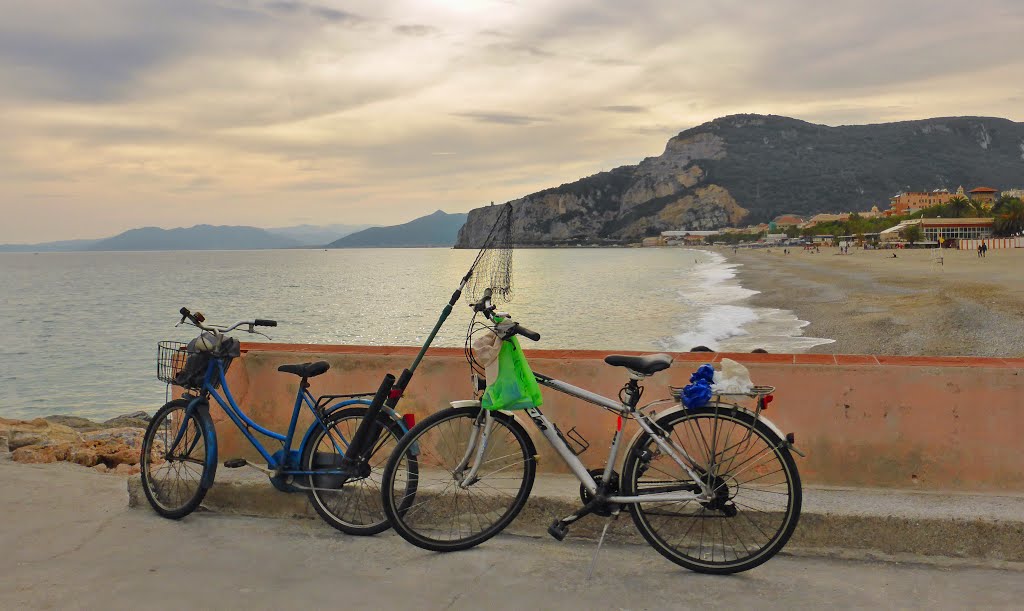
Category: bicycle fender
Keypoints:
(768, 423)
(414, 450)
(200, 408)
(467, 403)
(506, 417)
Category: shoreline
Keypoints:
(911, 305)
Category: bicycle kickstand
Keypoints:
(604, 531)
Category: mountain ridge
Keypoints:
(749, 168)
(436, 229)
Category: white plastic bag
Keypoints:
(485, 350)
(732, 378)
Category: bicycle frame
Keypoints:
(283, 461)
(478, 442)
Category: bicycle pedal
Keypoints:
(234, 463)
(558, 530)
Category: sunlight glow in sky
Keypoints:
(124, 113)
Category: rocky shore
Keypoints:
(112, 446)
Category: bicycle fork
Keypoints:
(475, 450)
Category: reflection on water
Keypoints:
(81, 328)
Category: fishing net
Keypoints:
(492, 268)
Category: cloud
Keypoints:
(417, 30)
(623, 109)
(500, 118)
(355, 111)
(293, 8)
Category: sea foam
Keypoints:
(716, 316)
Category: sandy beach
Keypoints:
(872, 303)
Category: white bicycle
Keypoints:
(714, 489)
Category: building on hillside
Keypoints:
(653, 241)
(825, 217)
(987, 196)
(871, 214)
(1018, 193)
(912, 201)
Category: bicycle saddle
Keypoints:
(306, 370)
(647, 364)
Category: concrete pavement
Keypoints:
(69, 541)
(856, 523)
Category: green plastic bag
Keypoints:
(515, 387)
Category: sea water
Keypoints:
(80, 329)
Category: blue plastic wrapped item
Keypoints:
(704, 372)
(698, 392)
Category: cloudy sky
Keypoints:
(122, 113)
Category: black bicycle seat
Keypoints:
(306, 370)
(647, 364)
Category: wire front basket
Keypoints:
(170, 360)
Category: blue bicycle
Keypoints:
(341, 477)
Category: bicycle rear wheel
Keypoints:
(172, 480)
(755, 480)
(449, 514)
(353, 504)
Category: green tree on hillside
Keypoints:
(1002, 202)
(1010, 219)
(959, 207)
(911, 233)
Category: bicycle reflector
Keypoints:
(767, 399)
(409, 420)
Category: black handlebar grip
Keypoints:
(521, 330)
(260, 322)
(184, 312)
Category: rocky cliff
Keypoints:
(752, 168)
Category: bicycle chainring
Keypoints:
(613, 488)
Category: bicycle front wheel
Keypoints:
(753, 477)
(172, 474)
(352, 504)
(453, 510)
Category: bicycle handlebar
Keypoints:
(487, 308)
(197, 319)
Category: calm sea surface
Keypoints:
(80, 329)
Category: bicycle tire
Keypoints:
(509, 441)
(775, 500)
(360, 512)
(188, 490)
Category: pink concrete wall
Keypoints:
(903, 422)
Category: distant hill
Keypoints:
(437, 229)
(61, 246)
(317, 235)
(199, 237)
(745, 169)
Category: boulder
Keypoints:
(76, 422)
(21, 433)
(37, 454)
(130, 420)
(109, 447)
